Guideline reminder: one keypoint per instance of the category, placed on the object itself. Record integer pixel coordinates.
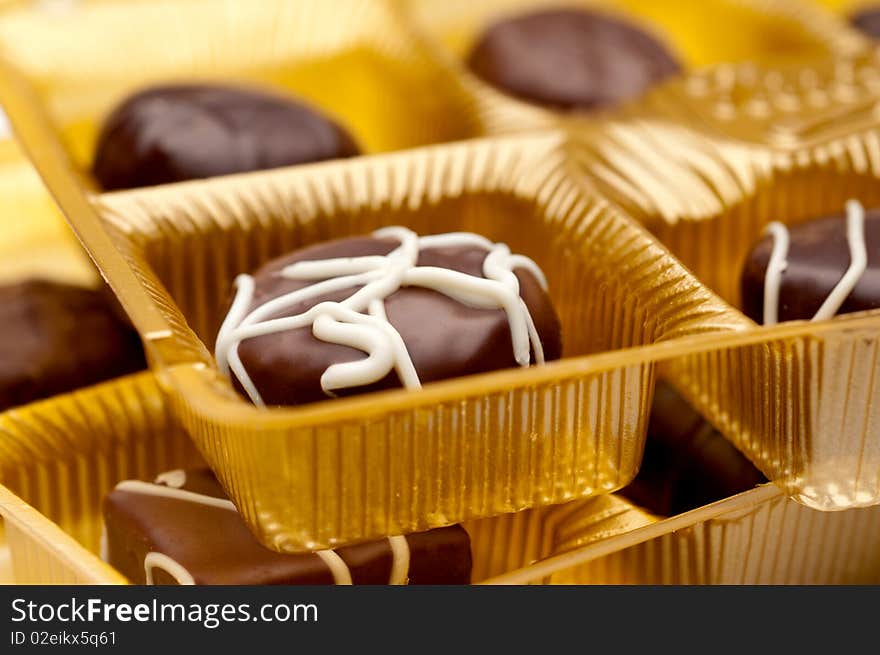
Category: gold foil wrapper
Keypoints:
(60, 457)
(800, 399)
(765, 32)
(758, 537)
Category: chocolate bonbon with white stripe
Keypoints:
(814, 270)
(181, 529)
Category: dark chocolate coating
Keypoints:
(216, 547)
(58, 337)
(867, 21)
(571, 59)
(818, 257)
(687, 463)
(175, 133)
(445, 338)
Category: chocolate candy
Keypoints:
(687, 463)
(175, 133)
(867, 21)
(570, 59)
(58, 338)
(182, 529)
(358, 317)
(818, 256)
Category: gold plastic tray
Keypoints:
(762, 146)
(401, 461)
(480, 446)
(350, 58)
(58, 459)
(764, 32)
(758, 537)
(379, 66)
(37, 242)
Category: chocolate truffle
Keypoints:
(182, 529)
(174, 133)
(58, 338)
(867, 21)
(570, 59)
(687, 463)
(381, 311)
(817, 259)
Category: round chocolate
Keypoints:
(58, 338)
(867, 21)
(571, 59)
(176, 133)
(444, 337)
(818, 257)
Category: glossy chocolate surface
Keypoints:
(444, 337)
(176, 133)
(59, 337)
(687, 463)
(215, 546)
(571, 59)
(818, 257)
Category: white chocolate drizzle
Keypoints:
(175, 478)
(400, 562)
(138, 487)
(155, 560)
(338, 568)
(360, 322)
(775, 267)
(855, 237)
(173, 568)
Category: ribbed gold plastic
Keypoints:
(719, 144)
(757, 537)
(762, 146)
(403, 461)
(60, 457)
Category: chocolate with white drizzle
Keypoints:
(814, 270)
(386, 310)
(181, 529)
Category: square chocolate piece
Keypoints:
(182, 529)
